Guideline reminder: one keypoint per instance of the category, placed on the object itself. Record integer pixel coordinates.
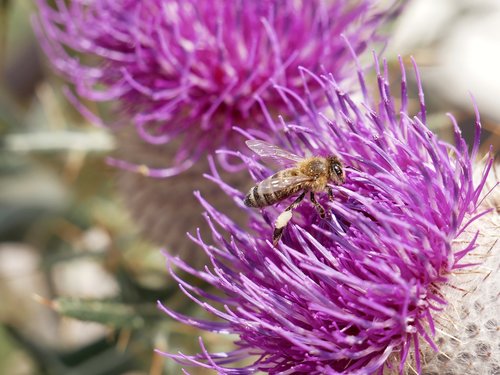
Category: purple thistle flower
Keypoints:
(349, 293)
(190, 70)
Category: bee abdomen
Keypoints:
(250, 200)
(255, 198)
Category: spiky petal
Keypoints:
(344, 294)
(190, 70)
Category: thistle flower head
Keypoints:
(190, 70)
(347, 293)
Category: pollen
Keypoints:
(283, 219)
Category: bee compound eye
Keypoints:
(337, 169)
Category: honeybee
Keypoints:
(310, 174)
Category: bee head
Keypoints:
(336, 170)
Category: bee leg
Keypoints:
(297, 201)
(284, 218)
(278, 232)
(330, 193)
(317, 206)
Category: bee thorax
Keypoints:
(314, 167)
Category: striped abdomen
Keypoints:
(274, 189)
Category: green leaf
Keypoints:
(114, 314)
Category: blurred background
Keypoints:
(80, 240)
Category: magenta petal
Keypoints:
(191, 70)
(340, 295)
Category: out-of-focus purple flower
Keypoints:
(350, 293)
(190, 70)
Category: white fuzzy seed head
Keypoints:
(467, 331)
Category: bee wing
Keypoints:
(273, 184)
(268, 151)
